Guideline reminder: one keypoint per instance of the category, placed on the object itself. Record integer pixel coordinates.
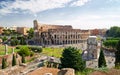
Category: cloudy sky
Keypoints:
(82, 14)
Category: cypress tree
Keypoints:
(117, 55)
(23, 58)
(101, 60)
(4, 63)
(14, 60)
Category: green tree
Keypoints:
(14, 60)
(113, 32)
(23, 58)
(4, 63)
(30, 33)
(117, 55)
(14, 42)
(71, 58)
(101, 60)
(24, 50)
(22, 41)
(110, 43)
(4, 38)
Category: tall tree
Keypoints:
(14, 60)
(117, 55)
(23, 58)
(4, 63)
(101, 60)
(30, 33)
(71, 58)
(22, 41)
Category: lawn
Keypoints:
(2, 50)
(56, 52)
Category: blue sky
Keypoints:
(81, 14)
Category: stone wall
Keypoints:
(66, 71)
(11, 71)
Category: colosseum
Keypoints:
(46, 34)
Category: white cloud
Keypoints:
(36, 6)
(80, 2)
(89, 21)
(31, 6)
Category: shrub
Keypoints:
(36, 49)
(31, 54)
(24, 51)
(18, 47)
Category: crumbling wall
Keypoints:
(66, 71)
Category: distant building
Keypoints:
(98, 32)
(13, 28)
(22, 30)
(46, 34)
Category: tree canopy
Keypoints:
(113, 32)
(71, 58)
(30, 33)
(24, 51)
(110, 43)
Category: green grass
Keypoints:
(56, 52)
(2, 50)
(102, 69)
(87, 71)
